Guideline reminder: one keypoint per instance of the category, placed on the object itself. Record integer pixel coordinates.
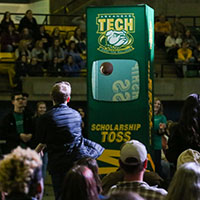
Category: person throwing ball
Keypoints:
(60, 131)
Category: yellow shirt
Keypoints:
(163, 27)
(184, 54)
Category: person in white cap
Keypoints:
(133, 161)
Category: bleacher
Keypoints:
(7, 63)
(163, 69)
(7, 60)
(159, 69)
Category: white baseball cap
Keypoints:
(133, 149)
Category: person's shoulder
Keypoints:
(65, 108)
(75, 112)
(23, 19)
(113, 177)
(159, 190)
(7, 116)
(157, 23)
(164, 119)
(72, 38)
(154, 189)
(163, 116)
(180, 49)
(34, 50)
(169, 37)
(34, 19)
(111, 190)
(46, 115)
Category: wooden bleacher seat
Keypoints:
(7, 64)
(7, 60)
(5, 56)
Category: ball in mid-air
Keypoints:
(106, 68)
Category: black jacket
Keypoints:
(9, 131)
(177, 144)
(31, 25)
(60, 130)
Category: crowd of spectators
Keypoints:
(39, 53)
(82, 181)
(52, 54)
(180, 44)
(21, 169)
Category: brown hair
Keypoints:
(79, 184)
(37, 44)
(19, 170)
(40, 103)
(60, 92)
(91, 163)
(132, 169)
(37, 106)
(160, 111)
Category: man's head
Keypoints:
(20, 171)
(133, 157)
(61, 92)
(17, 100)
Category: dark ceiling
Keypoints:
(14, 1)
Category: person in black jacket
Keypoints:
(16, 126)
(28, 21)
(186, 133)
(6, 21)
(60, 130)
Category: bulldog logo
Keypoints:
(117, 38)
(116, 32)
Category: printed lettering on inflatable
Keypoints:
(120, 79)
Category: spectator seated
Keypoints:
(162, 30)
(184, 58)
(63, 29)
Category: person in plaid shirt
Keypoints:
(133, 161)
